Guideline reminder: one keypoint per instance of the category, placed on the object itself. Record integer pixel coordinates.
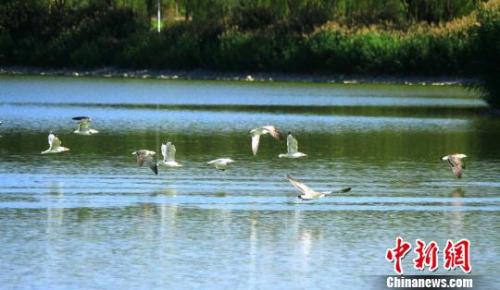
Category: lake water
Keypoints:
(92, 219)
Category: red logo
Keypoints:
(454, 255)
(426, 255)
(398, 253)
(457, 255)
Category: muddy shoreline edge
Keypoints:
(110, 72)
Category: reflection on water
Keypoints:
(458, 193)
(165, 192)
(92, 219)
(55, 214)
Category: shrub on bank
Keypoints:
(487, 49)
(98, 35)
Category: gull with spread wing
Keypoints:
(456, 164)
(54, 145)
(168, 151)
(84, 126)
(307, 193)
(146, 157)
(292, 146)
(221, 163)
(257, 132)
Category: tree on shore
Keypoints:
(403, 37)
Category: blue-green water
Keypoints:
(92, 219)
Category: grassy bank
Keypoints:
(98, 35)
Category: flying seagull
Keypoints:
(220, 163)
(146, 157)
(292, 148)
(54, 145)
(456, 164)
(307, 193)
(168, 152)
(257, 132)
(84, 126)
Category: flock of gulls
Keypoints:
(148, 157)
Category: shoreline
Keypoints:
(205, 75)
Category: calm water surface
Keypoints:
(92, 219)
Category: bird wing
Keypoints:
(144, 157)
(164, 151)
(151, 162)
(275, 132)
(84, 125)
(342, 190)
(170, 152)
(455, 161)
(255, 143)
(300, 186)
(456, 164)
(292, 144)
(81, 118)
(56, 143)
(51, 138)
